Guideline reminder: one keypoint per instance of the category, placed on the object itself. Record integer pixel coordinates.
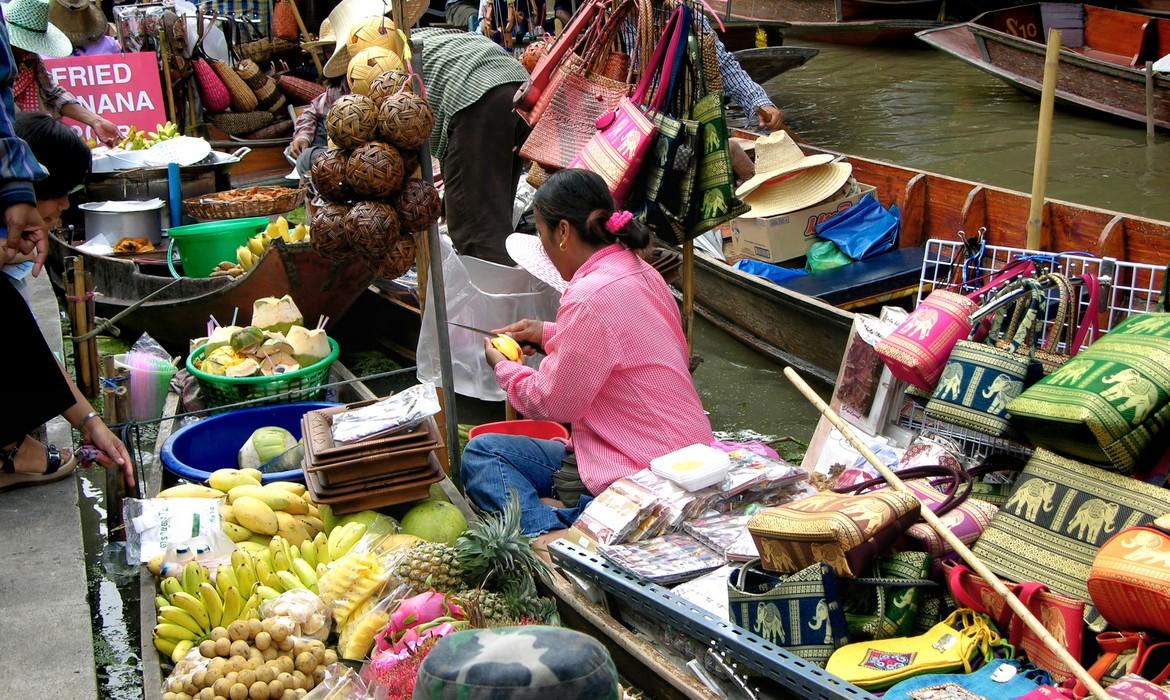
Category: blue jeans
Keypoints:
(494, 466)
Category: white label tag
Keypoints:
(1004, 673)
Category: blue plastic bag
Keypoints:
(768, 271)
(863, 230)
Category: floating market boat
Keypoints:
(766, 63)
(1102, 58)
(856, 22)
(178, 309)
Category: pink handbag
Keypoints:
(918, 349)
(624, 134)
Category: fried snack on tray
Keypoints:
(247, 194)
(133, 246)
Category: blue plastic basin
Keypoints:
(193, 452)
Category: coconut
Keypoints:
(245, 368)
(435, 521)
(247, 339)
(308, 346)
(220, 337)
(276, 315)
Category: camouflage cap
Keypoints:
(517, 663)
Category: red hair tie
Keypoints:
(617, 221)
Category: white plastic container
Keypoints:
(693, 468)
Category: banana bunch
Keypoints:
(255, 513)
(248, 256)
(284, 566)
(280, 229)
(134, 140)
(190, 606)
(162, 132)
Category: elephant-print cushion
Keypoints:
(1106, 405)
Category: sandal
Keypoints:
(56, 468)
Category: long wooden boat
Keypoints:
(856, 22)
(1102, 58)
(179, 308)
(810, 328)
(1152, 7)
(766, 63)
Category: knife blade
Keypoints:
(490, 334)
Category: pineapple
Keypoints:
(430, 565)
(495, 554)
(491, 606)
(524, 603)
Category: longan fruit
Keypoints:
(300, 646)
(219, 666)
(207, 648)
(247, 678)
(223, 647)
(240, 648)
(200, 679)
(286, 645)
(275, 689)
(175, 686)
(258, 691)
(206, 694)
(285, 664)
(169, 696)
(222, 687)
(219, 633)
(289, 694)
(211, 677)
(183, 696)
(318, 676)
(189, 688)
(239, 691)
(299, 679)
(270, 654)
(279, 633)
(330, 657)
(254, 628)
(263, 641)
(265, 674)
(232, 678)
(306, 663)
(318, 654)
(238, 630)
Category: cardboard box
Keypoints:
(789, 236)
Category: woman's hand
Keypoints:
(493, 356)
(95, 433)
(26, 235)
(528, 333)
(298, 146)
(106, 132)
(770, 117)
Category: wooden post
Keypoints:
(305, 37)
(165, 56)
(688, 293)
(1150, 101)
(1043, 140)
(78, 307)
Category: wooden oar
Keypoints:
(1043, 141)
(955, 543)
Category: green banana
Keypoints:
(280, 562)
(180, 617)
(267, 593)
(194, 608)
(212, 602)
(289, 581)
(305, 573)
(264, 574)
(308, 552)
(191, 577)
(321, 544)
(321, 571)
(160, 602)
(245, 569)
(173, 632)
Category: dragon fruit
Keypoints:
(419, 618)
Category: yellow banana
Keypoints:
(194, 608)
(225, 578)
(244, 257)
(321, 543)
(212, 602)
(165, 646)
(181, 650)
(245, 568)
(321, 571)
(233, 605)
(170, 586)
(265, 576)
(289, 581)
(178, 616)
(280, 562)
(308, 552)
(305, 573)
(256, 245)
(267, 593)
(350, 534)
(173, 632)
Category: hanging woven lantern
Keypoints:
(399, 259)
(405, 120)
(375, 31)
(374, 171)
(329, 239)
(352, 121)
(328, 173)
(389, 84)
(369, 64)
(418, 205)
(371, 228)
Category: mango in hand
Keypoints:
(508, 347)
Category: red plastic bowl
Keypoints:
(539, 429)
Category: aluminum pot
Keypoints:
(145, 222)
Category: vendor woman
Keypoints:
(35, 90)
(616, 367)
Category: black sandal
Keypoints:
(56, 468)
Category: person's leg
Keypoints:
(479, 187)
(36, 389)
(496, 466)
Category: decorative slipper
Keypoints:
(56, 468)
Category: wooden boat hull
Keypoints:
(1084, 81)
(855, 22)
(768, 62)
(180, 313)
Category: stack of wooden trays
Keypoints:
(382, 470)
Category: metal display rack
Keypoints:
(805, 680)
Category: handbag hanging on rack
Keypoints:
(533, 96)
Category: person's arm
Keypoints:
(744, 91)
(305, 128)
(95, 432)
(61, 103)
(18, 170)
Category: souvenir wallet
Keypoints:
(1130, 578)
(1058, 516)
(998, 680)
(845, 532)
(798, 612)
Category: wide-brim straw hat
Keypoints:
(348, 14)
(777, 155)
(798, 190)
(29, 29)
(325, 36)
(528, 252)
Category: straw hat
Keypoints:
(81, 21)
(349, 14)
(29, 29)
(798, 190)
(777, 154)
(528, 252)
(324, 37)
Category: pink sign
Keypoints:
(122, 87)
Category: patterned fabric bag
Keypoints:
(1059, 514)
(533, 96)
(998, 680)
(798, 612)
(1130, 578)
(885, 603)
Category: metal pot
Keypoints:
(116, 225)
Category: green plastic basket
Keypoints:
(222, 391)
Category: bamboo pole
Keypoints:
(688, 293)
(1150, 101)
(955, 543)
(1043, 140)
(305, 36)
(165, 57)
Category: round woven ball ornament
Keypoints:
(374, 171)
(418, 205)
(329, 239)
(370, 229)
(405, 120)
(369, 64)
(388, 84)
(375, 31)
(399, 259)
(329, 175)
(352, 121)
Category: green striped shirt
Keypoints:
(458, 69)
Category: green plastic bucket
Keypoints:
(203, 246)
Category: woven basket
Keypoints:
(617, 66)
(374, 171)
(352, 121)
(368, 64)
(284, 22)
(243, 99)
(264, 49)
(299, 90)
(405, 120)
(212, 91)
(270, 98)
(374, 31)
(370, 229)
(275, 200)
(418, 206)
(712, 76)
(277, 130)
(328, 229)
(328, 173)
(388, 84)
(223, 391)
(240, 123)
(399, 258)
(251, 73)
(537, 174)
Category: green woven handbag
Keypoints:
(886, 602)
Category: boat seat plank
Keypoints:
(912, 205)
(1118, 33)
(875, 277)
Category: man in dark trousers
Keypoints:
(470, 82)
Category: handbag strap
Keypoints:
(1087, 328)
(963, 591)
(661, 64)
(1065, 320)
(954, 497)
(595, 52)
(1009, 272)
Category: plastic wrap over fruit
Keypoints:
(304, 612)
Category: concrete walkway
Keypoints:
(46, 637)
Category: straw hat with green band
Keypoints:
(349, 14)
(29, 29)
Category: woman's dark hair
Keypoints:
(59, 149)
(581, 198)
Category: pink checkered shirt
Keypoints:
(617, 370)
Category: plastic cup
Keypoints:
(150, 380)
